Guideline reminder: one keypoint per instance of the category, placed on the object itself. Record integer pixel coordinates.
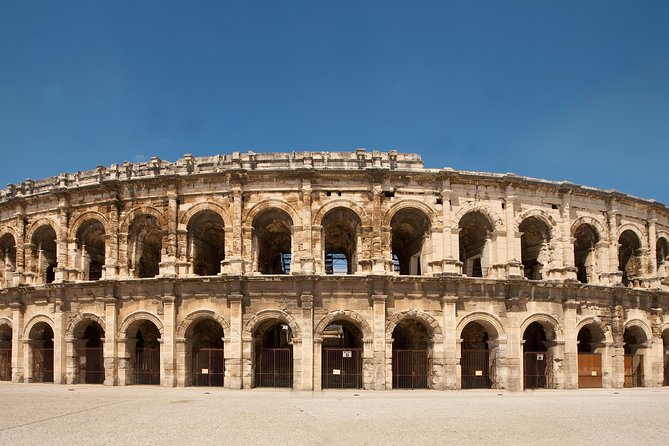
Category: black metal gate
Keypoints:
(91, 365)
(534, 370)
(208, 367)
(5, 364)
(410, 369)
(147, 366)
(274, 367)
(42, 365)
(342, 368)
(475, 368)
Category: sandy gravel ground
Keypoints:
(35, 414)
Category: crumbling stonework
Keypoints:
(246, 270)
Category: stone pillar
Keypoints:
(61, 242)
(570, 345)
(17, 342)
(168, 375)
(382, 365)
(305, 243)
(59, 344)
(514, 267)
(451, 351)
(110, 344)
(568, 266)
(168, 263)
(618, 349)
(112, 241)
(651, 268)
(307, 303)
(450, 263)
(233, 346)
(614, 276)
(20, 227)
(382, 256)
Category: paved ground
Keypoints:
(83, 415)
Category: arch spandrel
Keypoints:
(363, 216)
(592, 320)
(345, 315)
(430, 323)
(491, 323)
(550, 324)
(494, 219)
(81, 321)
(643, 242)
(139, 316)
(4, 321)
(269, 204)
(596, 224)
(137, 212)
(36, 319)
(638, 323)
(186, 326)
(38, 224)
(408, 204)
(265, 315)
(542, 216)
(82, 218)
(215, 206)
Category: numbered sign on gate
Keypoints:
(347, 354)
(540, 357)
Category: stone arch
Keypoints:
(411, 204)
(9, 229)
(345, 315)
(138, 212)
(186, 326)
(487, 320)
(85, 216)
(139, 316)
(493, 218)
(6, 322)
(365, 218)
(428, 321)
(648, 333)
(270, 203)
(541, 215)
(636, 230)
(596, 225)
(75, 324)
(34, 321)
(592, 320)
(269, 314)
(39, 223)
(213, 206)
(550, 324)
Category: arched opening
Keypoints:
(629, 257)
(475, 357)
(410, 232)
(412, 344)
(662, 255)
(7, 260)
(341, 229)
(208, 358)
(273, 355)
(585, 259)
(43, 255)
(88, 349)
(40, 340)
(534, 244)
(665, 356)
(475, 244)
(590, 346)
(145, 239)
(91, 246)
(342, 356)
(634, 340)
(273, 240)
(143, 345)
(537, 357)
(5, 353)
(206, 243)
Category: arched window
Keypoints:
(272, 231)
(410, 229)
(475, 244)
(91, 246)
(341, 229)
(43, 255)
(534, 247)
(629, 257)
(206, 243)
(7, 259)
(585, 259)
(145, 243)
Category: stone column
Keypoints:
(307, 303)
(20, 247)
(450, 255)
(382, 364)
(61, 242)
(512, 238)
(234, 246)
(451, 351)
(306, 247)
(614, 275)
(112, 240)
(168, 263)
(568, 266)
(651, 268)
(382, 256)
(233, 346)
(18, 359)
(168, 378)
(59, 344)
(110, 344)
(570, 345)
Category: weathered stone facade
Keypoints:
(246, 255)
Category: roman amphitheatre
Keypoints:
(330, 270)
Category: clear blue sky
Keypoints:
(562, 90)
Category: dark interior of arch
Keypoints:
(8, 252)
(340, 232)
(93, 335)
(474, 337)
(633, 338)
(342, 334)
(206, 236)
(584, 245)
(91, 241)
(272, 230)
(44, 254)
(147, 336)
(535, 338)
(411, 335)
(590, 338)
(5, 337)
(207, 334)
(273, 334)
(474, 231)
(662, 251)
(146, 236)
(629, 256)
(409, 228)
(534, 239)
(42, 332)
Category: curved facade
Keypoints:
(330, 270)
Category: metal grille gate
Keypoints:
(208, 367)
(147, 366)
(410, 369)
(342, 368)
(5, 364)
(91, 369)
(475, 369)
(535, 370)
(42, 365)
(634, 371)
(274, 367)
(589, 370)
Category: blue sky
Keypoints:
(562, 90)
